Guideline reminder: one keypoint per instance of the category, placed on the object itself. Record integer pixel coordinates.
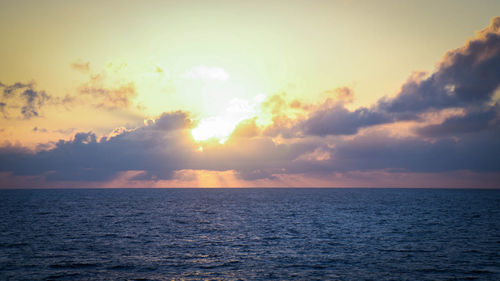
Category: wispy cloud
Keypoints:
(81, 66)
(105, 97)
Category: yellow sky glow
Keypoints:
(224, 74)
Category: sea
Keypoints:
(250, 234)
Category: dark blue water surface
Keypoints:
(258, 234)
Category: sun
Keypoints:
(216, 128)
(221, 126)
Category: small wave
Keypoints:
(272, 238)
(121, 267)
(13, 245)
(109, 235)
(306, 266)
(480, 271)
(63, 275)
(225, 264)
(73, 265)
(180, 221)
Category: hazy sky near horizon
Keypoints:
(260, 93)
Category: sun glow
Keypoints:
(221, 126)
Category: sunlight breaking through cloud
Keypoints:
(221, 126)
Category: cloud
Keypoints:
(330, 117)
(487, 118)
(108, 98)
(246, 129)
(81, 66)
(467, 76)
(343, 95)
(324, 140)
(21, 100)
(156, 150)
(478, 152)
(337, 120)
(172, 121)
(41, 130)
(101, 93)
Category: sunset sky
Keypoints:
(249, 94)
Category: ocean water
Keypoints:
(250, 234)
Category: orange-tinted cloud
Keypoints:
(81, 66)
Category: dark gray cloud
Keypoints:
(338, 120)
(3, 105)
(41, 130)
(158, 149)
(21, 100)
(256, 174)
(172, 121)
(158, 152)
(473, 121)
(478, 152)
(465, 78)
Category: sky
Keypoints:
(249, 94)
